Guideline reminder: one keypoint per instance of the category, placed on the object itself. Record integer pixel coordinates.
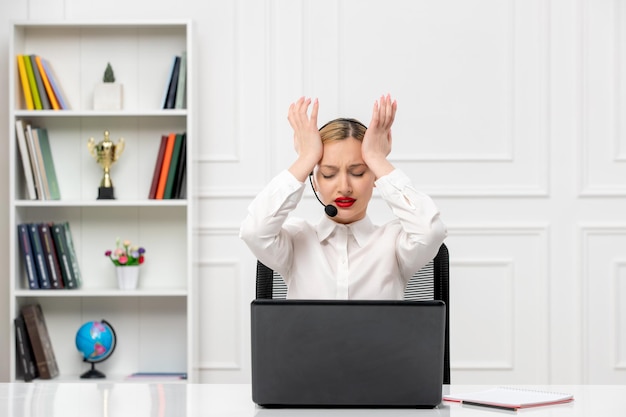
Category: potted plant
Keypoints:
(127, 259)
(108, 94)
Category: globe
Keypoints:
(96, 341)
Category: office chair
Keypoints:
(432, 282)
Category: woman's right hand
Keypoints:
(306, 137)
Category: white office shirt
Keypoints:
(329, 260)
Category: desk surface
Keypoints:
(175, 400)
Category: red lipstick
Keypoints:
(344, 202)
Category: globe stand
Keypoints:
(96, 344)
(93, 373)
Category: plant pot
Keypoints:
(107, 96)
(127, 277)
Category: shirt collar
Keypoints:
(361, 230)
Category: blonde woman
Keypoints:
(343, 255)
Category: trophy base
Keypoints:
(105, 193)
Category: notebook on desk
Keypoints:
(323, 353)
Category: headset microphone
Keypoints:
(331, 211)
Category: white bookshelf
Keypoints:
(154, 322)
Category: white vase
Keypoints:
(107, 96)
(127, 277)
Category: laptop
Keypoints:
(336, 353)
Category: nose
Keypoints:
(345, 187)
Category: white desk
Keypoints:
(51, 399)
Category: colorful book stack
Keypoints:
(40, 87)
(37, 162)
(35, 355)
(48, 255)
(170, 169)
(174, 96)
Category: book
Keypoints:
(25, 357)
(40, 341)
(50, 253)
(165, 167)
(157, 168)
(171, 173)
(169, 81)
(28, 65)
(181, 169)
(56, 87)
(48, 164)
(46, 83)
(181, 88)
(25, 157)
(72, 252)
(39, 256)
(509, 398)
(182, 192)
(63, 254)
(170, 99)
(28, 96)
(34, 163)
(40, 164)
(28, 256)
(157, 376)
(43, 96)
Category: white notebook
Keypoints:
(510, 398)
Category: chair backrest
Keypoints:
(432, 282)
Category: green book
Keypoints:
(33, 83)
(171, 174)
(48, 162)
(72, 253)
(64, 256)
(43, 95)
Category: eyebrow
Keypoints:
(353, 166)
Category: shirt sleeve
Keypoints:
(422, 232)
(262, 230)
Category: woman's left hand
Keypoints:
(377, 140)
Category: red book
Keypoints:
(165, 167)
(157, 168)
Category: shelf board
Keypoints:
(118, 23)
(102, 292)
(93, 113)
(112, 378)
(101, 203)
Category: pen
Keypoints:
(499, 407)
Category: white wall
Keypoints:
(511, 115)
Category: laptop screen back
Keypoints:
(347, 353)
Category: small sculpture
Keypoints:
(108, 77)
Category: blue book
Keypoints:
(28, 256)
(54, 83)
(170, 98)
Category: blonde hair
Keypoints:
(342, 128)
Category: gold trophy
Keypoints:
(106, 153)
